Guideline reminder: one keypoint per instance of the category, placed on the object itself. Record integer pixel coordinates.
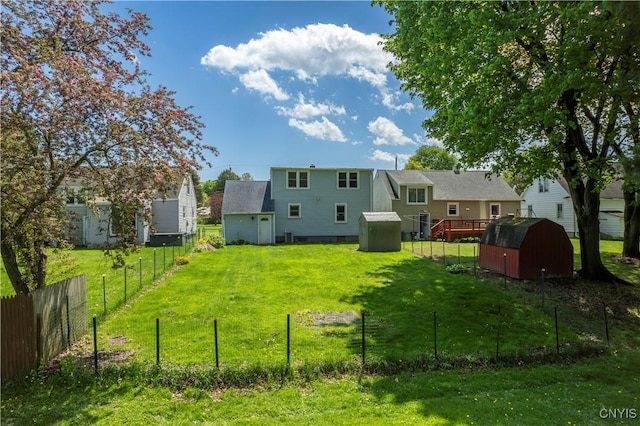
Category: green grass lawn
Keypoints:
(250, 290)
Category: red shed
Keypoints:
(530, 245)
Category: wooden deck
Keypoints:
(453, 229)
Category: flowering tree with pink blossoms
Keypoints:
(76, 107)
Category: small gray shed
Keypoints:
(380, 231)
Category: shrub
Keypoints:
(182, 260)
(456, 268)
(216, 241)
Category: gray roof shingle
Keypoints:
(464, 185)
(247, 197)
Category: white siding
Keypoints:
(611, 225)
(545, 205)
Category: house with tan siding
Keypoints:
(429, 200)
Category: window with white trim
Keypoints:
(529, 210)
(453, 209)
(543, 185)
(416, 195)
(494, 209)
(348, 180)
(295, 211)
(341, 213)
(297, 179)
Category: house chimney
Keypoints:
(396, 161)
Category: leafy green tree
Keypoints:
(76, 108)
(544, 88)
(208, 187)
(431, 157)
(223, 177)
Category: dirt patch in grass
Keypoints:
(309, 318)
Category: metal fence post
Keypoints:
(288, 340)
(555, 312)
(158, 342)
(125, 284)
(95, 344)
(474, 261)
(606, 322)
(435, 334)
(104, 293)
(498, 334)
(542, 285)
(215, 341)
(505, 270)
(363, 339)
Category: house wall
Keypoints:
(178, 214)
(611, 225)
(96, 231)
(317, 204)
(187, 208)
(545, 205)
(165, 216)
(240, 227)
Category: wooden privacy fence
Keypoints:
(38, 326)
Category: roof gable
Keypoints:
(247, 197)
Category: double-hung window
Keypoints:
(543, 185)
(416, 195)
(348, 180)
(297, 180)
(295, 211)
(452, 209)
(341, 213)
(494, 210)
(559, 213)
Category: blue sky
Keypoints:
(284, 83)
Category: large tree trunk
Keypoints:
(631, 244)
(10, 260)
(586, 204)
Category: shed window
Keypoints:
(297, 179)
(559, 214)
(294, 211)
(452, 209)
(348, 180)
(341, 213)
(416, 196)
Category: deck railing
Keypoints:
(450, 229)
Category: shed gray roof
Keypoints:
(247, 197)
(381, 217)
(509, 232)
(464, 185)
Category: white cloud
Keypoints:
(387, 133)
(304, 110)
(311, 52)
(261, 81)
(325, 129)
(387, 157)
